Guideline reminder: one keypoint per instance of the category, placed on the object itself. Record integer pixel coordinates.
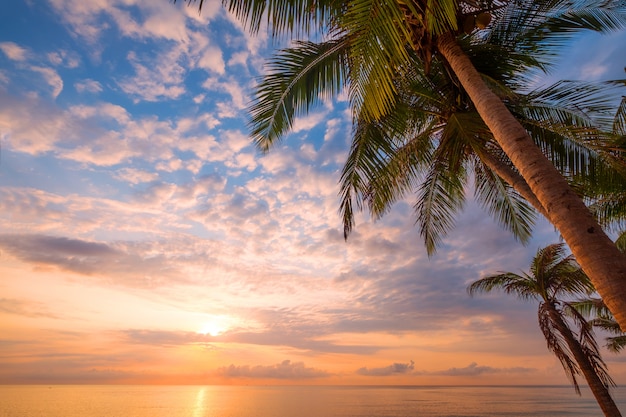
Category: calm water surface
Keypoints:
(294, 401)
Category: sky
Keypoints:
(144, 239)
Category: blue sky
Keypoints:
(143, 238)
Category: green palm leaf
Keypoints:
(440, 197)
(298, 77)
(503, 203)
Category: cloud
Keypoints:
(52, 78)
(301, 337)
(155, 78)
(308, 122)
(239, 58)
(163, 338)
(283, 370)
(148, 20)
(72, 254)
(205, 55)
(135, 176)
(68, 59)
(238, 98)
(24, 308)
(124, 263)
(105, 134)
(473, 369)
(13, 51)
(393, 369)
(88, 85)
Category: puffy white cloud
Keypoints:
(233, 88)
(239, 58)
(155, 78)
(211, 60)
(14, 51)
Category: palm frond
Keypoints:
(506, 206)
(290, 17)
(522, 286)
(587, 341)
(591, 307)
(558, 273)
(616, 344)
(545, 260)
(441, 16)
(558, 30)
(619, 123)
(365, 166)
(598, 315)
(440, 197)
(298, 78)
(557, 344)
(401, 173)
(378, 50)
(620, 242)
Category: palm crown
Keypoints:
(432, 138)
(380, 39)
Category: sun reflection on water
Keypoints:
(198, 410)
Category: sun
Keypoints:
(214, 326)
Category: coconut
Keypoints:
(482, 20)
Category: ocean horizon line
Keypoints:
(302, 385)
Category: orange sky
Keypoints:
(143, 239)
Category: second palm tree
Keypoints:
(554, 274)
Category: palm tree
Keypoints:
(382, 34)
(433, 138)
(554, 275)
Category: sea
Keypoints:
(296, 401)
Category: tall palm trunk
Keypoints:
(599, 390)
(595, 252)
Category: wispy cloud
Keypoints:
(89, 86)
(52, 78)
(24, 308)
(135, 210)
(473, 369)
(283, 370)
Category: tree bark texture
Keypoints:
(594, 251)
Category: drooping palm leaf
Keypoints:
(297, 78)
(505, 205)
(558, 345)
(598, 315)
(439, 198)
(588, 342)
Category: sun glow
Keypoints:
(215, 326)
